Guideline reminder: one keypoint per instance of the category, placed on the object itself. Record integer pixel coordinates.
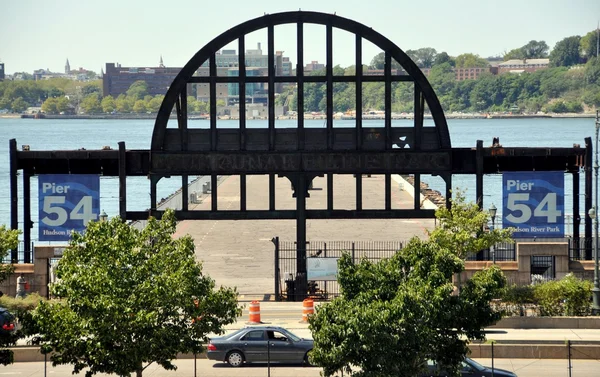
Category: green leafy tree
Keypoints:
(108, 104)
(154, 104)
(139, 106)
(471, 61)
(129, 298)
(19, 105)
(62, 104)
(516, 53)
(394, 315)
(138, 89)
(91, 104)
(122, 104)
(49, 106)
(566, 52)
(535, 50)
(425, 57)
(589, 44)
(442, 58)
(461, 229)
(9, 240)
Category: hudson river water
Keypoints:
(68, 134)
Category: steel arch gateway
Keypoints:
(298, 153)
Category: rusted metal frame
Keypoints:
(123, 181)
(293, 17)
(419, 114)
(417, 191)
(271, 89)
(14, 192)
(271, 105)
(358, 89)
(271, 192)
(388, 100)
(183, 132)
(329, 102)
(388, 123)
(275, 241)
(330, 191)
(588, 195)
(359, 133)
(479, 174)
(213, 101)
(311, 214)
(301, 278)
(242, 109)
(213, 126)
(287, 79)
(576, 217)
(300, 79)
(329, 83)
(448, 179)
(153, 197)
(27, 223)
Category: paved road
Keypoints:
(208, 368)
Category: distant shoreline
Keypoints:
(307, 116)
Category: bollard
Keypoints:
(308, 308)
(254, 313)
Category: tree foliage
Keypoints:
(566, 52)
(9, 240)
(461, 228)
(128, 298)
(394, 315)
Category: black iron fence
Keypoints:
(19, 255)
(286, 261)
(581, 248)
(501, 252)
(285, 264)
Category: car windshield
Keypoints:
(475, 365)
(227, 336)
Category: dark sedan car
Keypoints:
(260, 344)
(469, 368)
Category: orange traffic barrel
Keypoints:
(308, 308)
(254, 312)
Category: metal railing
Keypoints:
(20, 255)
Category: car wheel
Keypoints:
(235, 358)
(308, 359)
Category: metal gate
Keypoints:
(286, 258)
(543, 265)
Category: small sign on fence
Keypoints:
(322, 268)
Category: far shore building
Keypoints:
(116, 79)
(2, 76)
(525, 65)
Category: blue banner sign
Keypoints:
(66, 203)
(534, 204)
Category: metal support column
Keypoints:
(301, 277)
(27, 223)
(122, 181)
(479, 174)
(576, 217)
(14, 192)
(588, 196)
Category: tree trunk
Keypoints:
(138, 372)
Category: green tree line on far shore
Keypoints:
(570, 84)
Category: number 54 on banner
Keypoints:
(67, 202)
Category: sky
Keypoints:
(38, 34)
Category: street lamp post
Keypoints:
(103, 216)
(594, 215)
(493, 210)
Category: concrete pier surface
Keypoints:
(240, 253)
